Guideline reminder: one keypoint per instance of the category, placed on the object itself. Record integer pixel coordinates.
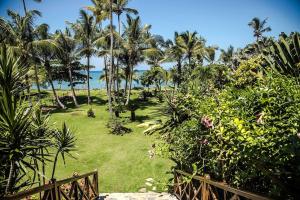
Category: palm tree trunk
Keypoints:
(24, 6)
(60, 104)
(37, 81)
(117, 75)
(130, 84)
(112, 60)
(88, 79)
(10, 177)
(126, 85)
(105, 71)
(189, 58)
(179, 72)
(49, 73)
(72, 87)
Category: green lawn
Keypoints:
(123, 162)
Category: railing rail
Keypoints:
(68, 189)
(203, 188)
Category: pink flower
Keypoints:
(259, 118)
(207, 122)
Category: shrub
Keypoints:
(116, 127)
(90, 113)
(247, 137)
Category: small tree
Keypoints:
(64, 143)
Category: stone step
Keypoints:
(137, 196)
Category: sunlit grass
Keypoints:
(123, 162)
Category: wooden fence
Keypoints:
(191, 187)
(78, 187)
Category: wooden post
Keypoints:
(95, 182)
(204, 192)
(54, 191)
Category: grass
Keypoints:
(123, 162)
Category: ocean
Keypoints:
(95, 83)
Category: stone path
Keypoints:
(137, 196)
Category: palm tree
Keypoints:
(110, 77)
(67, 56)
(210, 54)
(259, 27)
(85, 30)
(24, 5)
(35, 66)
(46, 53)
(227, 55)
(191, 45)
(119, 9)
(135, 40)
(175, 53)
(20, 33)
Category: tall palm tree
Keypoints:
(103, 9)
(191, 44)
(67, 56)
(135, 42)
(35, 66)
(24, 5)
(46, 53)
(210, 54)
(110, 77)
(259, 27)
(119, 9)
(85, 31)
(21, 34)
(103, 46)
(227, 55)
(175, 54)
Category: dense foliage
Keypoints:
(246, 133)
(26, 134)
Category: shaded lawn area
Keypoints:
(123, 162)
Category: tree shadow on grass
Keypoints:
(143, 104)
(68, 102)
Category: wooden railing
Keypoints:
(196, 187)
(76, 187)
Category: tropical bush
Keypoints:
(116, 127)
(90, 113)
(245, 137)
(26, 134)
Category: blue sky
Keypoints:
(220, 22)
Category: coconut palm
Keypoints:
(67, 57)
(119, 9)
(210, 54)
(24, 5)
(19, 33)
(103, 44)
(100, 10)
(259, 27)
(175, 54)
(45, 54)
(135, 42)
(103, 9)
(227, 55)
(85, 31)
(192, 45)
